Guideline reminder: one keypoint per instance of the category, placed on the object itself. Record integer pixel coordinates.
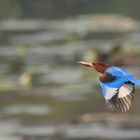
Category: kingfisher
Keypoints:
(118, 85)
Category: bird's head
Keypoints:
(97, 65)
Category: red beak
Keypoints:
(87, 64)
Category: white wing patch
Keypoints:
(110, 92)
(122, 100)
(125, 90)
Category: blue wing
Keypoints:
(110, 88)
(120, 91)
(121, 73)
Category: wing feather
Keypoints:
(123, 98)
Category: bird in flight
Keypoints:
(117, 85)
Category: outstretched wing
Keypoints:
(117, 91)
(122, 100)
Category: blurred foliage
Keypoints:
(51, 8)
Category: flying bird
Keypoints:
(118, 85)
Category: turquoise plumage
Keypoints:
(118, 85)
(121, 77)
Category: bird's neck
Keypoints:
(102, 69)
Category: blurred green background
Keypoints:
(44, 93)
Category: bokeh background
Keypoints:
(44, 93)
